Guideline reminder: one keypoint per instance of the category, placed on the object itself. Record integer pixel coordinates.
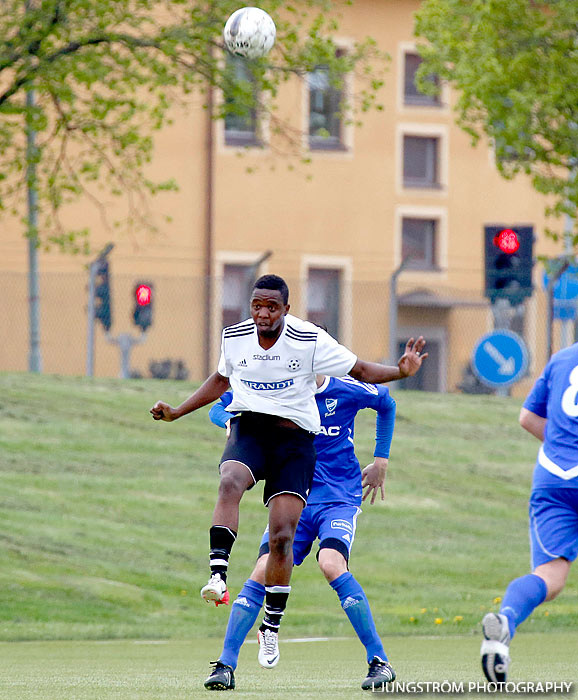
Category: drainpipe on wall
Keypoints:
(208, 238)
(34, 355)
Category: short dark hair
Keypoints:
(273, 282)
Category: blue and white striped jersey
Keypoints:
(555, 396)
(337, 477)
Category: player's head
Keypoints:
(269, 304)
(273, 282)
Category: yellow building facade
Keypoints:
(406, 184)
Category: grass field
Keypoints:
(172, 670)
(104, 517)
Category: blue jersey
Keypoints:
(555, 397)
(337, 477)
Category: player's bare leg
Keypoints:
(235, 480)
(554, 573)
(522, 597)
(332, 564)
(284, 512)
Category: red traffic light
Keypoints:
(143, 295)
(507, 241)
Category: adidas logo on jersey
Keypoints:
(243, 363)
(349, 602)
(242, 601)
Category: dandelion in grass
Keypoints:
(438, 620)
(497, 600)
(458, 618)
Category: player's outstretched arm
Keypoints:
(533, 423)
(408, 365)
(208, 392)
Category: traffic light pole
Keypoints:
(502, 310)
(90, 308)
(563, 265)
(90, 318)
(567, 324)
(125, 341)
(251, 275)
(393, 349)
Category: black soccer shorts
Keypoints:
(284, 457)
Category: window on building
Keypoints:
(420, 161)
(235, 294)
(323, 298)
(325, 106)
(241, 126)
(419, 243)
(411, 92)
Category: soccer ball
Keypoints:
(249, 32)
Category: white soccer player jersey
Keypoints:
(281, 381)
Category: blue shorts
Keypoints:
(334, 526)
(553, 525)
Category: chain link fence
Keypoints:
(188, 314)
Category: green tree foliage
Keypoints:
(105, 74)
(514, 64)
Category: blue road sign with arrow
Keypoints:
(500, 358)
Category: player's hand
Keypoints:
(410, 362)
(162, 411)
(373, 479)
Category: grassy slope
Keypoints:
(104, 517)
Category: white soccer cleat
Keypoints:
(215, 591)
(268, 648)
(495, 649)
